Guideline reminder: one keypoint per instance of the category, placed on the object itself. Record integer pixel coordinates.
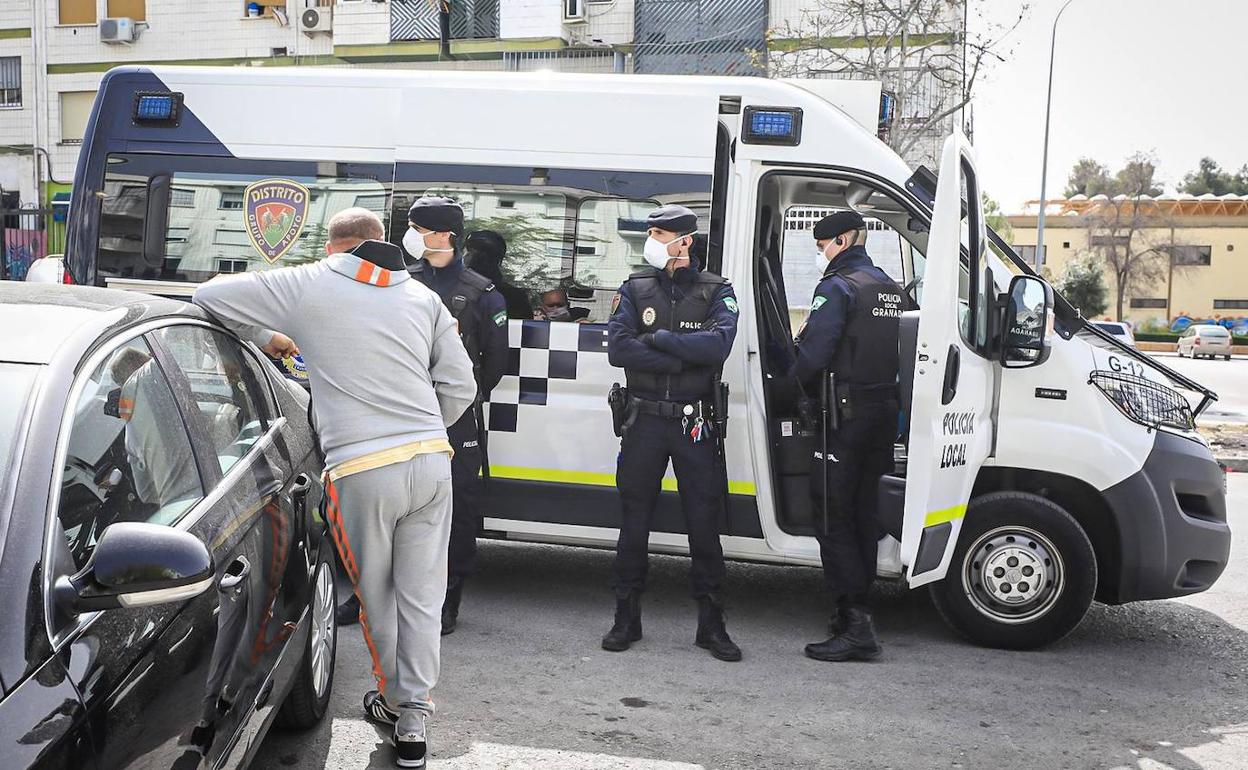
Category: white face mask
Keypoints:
(822, 260)
(655, 252)
(414, 243)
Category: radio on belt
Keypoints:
(772, 125)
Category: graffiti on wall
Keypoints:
(21, 248)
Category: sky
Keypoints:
(1162, 76)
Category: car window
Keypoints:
(1214, 331)
(129, 456)
(224, 388)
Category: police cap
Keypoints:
(835, 224)
(441, 215)
(674, 219)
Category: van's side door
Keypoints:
(951, 421)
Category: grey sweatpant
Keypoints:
(391, 526)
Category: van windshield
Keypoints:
(187, 218)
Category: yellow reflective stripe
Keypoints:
(949, 514)
(590, 478)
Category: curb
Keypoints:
(1234, 464)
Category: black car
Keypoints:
(166, 586)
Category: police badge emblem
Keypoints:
(648, 316)
(275, 212)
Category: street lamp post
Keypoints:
(1044, 168)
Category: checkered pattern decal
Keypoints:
(545, 361)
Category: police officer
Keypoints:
(434, 225)
(671, 329)
(851, 332)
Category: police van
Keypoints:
(1041, 465)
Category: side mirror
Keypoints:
(138, 565)
(1027, 327)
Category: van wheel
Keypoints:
(1023, 573)
(314, 682)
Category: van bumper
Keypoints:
(1171, 521)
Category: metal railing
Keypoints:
(27, 234)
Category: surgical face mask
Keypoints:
(557, 313)
(656, 254)
(415, 245)
(822, 260)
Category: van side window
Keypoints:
(188, 218)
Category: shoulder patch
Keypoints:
(818, 303)
(500, 318)
(615, 303)
(731, 303)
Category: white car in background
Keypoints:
(1205, 340)
(1118, 330)
(49, 269)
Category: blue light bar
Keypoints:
(771, 124)
(154, 108)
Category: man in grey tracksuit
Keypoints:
(388, 375)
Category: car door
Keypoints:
(145, 674)
(234, 409)
(951, 425)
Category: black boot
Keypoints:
(450, 605)
(858, 642)
(627, 628)
(839, 622)
(348, 613)
(712, 635)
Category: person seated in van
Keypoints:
(554, 307)
(484, 251)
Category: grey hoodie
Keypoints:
(383, 353)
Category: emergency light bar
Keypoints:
(157, 108)
(772, 125)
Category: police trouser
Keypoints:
(860, 452)
(466, 503)
(645, 449)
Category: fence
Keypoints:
(27, 234)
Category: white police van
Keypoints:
(1041, 466)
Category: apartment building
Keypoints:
(54, 52)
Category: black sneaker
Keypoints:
(409, 738)
(376, 710)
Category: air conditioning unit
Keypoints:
(316, 21)
(574, 11)
(119, 30)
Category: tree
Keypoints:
(1122, 232)
(528, 263)
(1210, 178)
(920, 50)
(1082, 283)
(996, 219)
(1089, 177)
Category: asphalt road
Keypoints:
(1229, 379)
(1152, 685)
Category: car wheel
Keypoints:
(1023, 574)
(309, 697)
(1228, 358)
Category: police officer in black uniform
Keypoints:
(434, 225)
(671, 330)
(852, 332)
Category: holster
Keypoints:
(618, 400)
(719, 405)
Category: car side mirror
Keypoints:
(1027, 327)
(137, 565)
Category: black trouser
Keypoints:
(645, 450)
(863, 452)
(466, 488)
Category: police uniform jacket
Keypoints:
(853, 325)
(481, 312)
(672, 336)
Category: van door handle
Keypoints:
(953, 363)
(236, 573)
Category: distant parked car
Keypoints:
(49, 269)
(170, 594)
(1205, 340)
(1118, 330)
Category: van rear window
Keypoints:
(186, 218)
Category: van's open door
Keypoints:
(951, 411)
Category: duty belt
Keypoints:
(672, 410)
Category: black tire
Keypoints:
(305, 706)
(1066, 577)
(1228, 358)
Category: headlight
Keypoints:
(1146, 402)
